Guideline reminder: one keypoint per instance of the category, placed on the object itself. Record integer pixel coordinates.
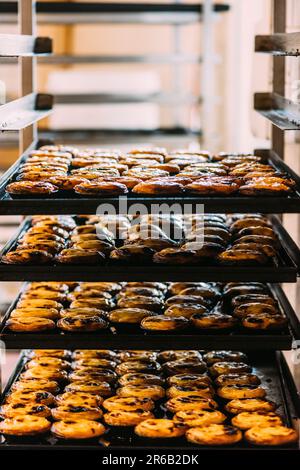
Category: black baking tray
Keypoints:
(135, 337)
(62, 203)
(269, 366)
(285, 268)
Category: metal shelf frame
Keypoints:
(63, 59)
(23, 112)
(93, 12)
(163, 99)
(283, 113)
(14, 45)
(285, 44)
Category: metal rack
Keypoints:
(287, 271)
(282, 113)
(23, 113)
(175, 14)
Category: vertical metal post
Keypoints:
(279, 26)
(26, 17)
(207, 82)
(177, 72)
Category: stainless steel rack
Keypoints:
(12, 45)
(176, 14)
(283, 113)
(282, 383)
(26, 111)
(23, 113)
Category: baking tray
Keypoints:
(134, 337)
(283, 270)
(271, 368)
(61, 203)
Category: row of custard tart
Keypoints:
(147, 171)
(237, 240)
(213, 398)
(145, 307)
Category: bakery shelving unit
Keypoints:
(283, 385)
(174, 14)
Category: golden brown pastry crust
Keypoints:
(264, 321)
(237, 379)
(139, 378)
(24, 312)
(101, 188)
(239, 391)
(219, 368)
(126, 418)
(186, 390)
(82, 323)
(184, 366)
(160, 428)
(214, 434)
(271, 436)
(159, 187)
(27, 256)
(250, 405)
(48, 361)
(224, 186)
(129, 315)
(195, 418)
(27, 425)
(77, 429)
(74, 412)
(242, 257)
(190, 402)
(247, 420)
(31, 187)
(95, 387)
(28, 396)
(213, 321)
(117, 403)
(13, 410)
(154, 392)
(80, 256)
(192, 380)
(164, 323)
(36, 385)
(31, 324)
(79, 399)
